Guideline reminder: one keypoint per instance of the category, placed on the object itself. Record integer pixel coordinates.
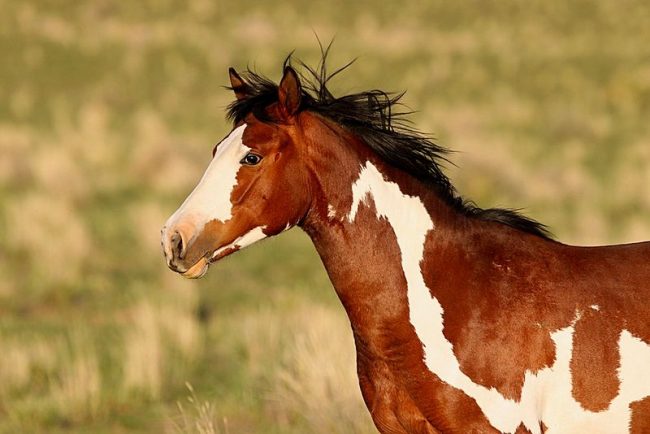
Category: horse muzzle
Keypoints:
(175, 241)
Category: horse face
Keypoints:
(254, 187)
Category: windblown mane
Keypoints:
(371, 116)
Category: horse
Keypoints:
(465, 320)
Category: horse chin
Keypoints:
(197, 270)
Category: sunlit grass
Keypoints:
(76, 387)
(144, 358)
(316, 380)
(109, 114)
(198, 417)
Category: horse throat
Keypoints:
(374, 251)
(372, 242)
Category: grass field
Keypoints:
(108, 114)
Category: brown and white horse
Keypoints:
(464, 319)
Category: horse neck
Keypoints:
(370, 223)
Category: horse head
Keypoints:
(255, 186)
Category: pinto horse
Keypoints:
(464, 319)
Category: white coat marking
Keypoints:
(242, 241)
(210, 199)
(546, 396)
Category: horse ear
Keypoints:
(289, 92)
(237, 84)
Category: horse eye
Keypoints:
(251, 159)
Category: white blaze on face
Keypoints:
(546, 396)
(210, 199)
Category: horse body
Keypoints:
(463, 320)
(484, 317)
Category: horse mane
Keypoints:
(371, 115)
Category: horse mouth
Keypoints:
(199, 269)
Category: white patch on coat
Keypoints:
(210, 199)
(242, 241)
(546, 396)
(595, 307)
(331, 212)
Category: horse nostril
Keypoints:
(178, 245)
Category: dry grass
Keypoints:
(152, 338)
(306, 359)
(198, 417)
(21, 358)
(111, 110)
(316, 380)
(67, 371)
(76, 389)
(156, 156)
(51, 234)
(144, 358)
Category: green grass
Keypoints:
(109, 113)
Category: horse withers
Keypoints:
(464, 319)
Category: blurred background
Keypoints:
(108, 114)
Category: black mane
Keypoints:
(371, 116)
